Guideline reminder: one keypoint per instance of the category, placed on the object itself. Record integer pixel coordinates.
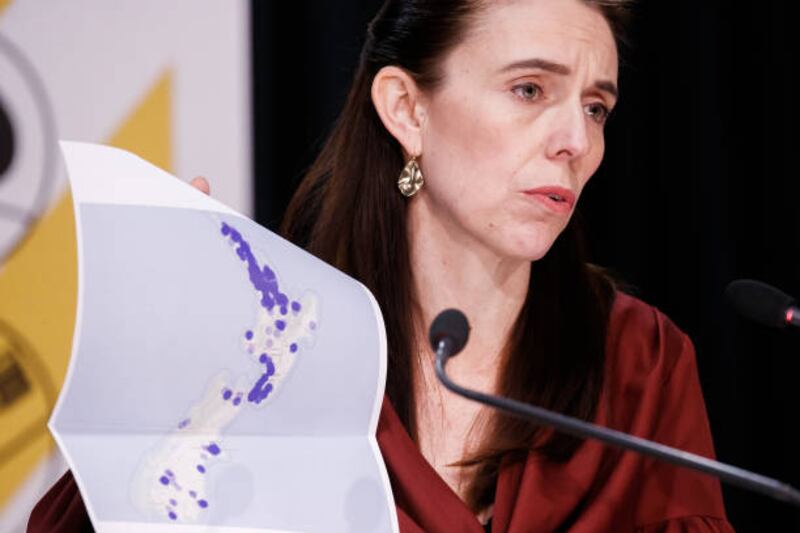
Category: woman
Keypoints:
(488, 117)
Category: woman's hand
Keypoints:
(201, 184)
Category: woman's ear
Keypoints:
(398, 101)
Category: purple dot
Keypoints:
(295, 306)
(263, 358)
(248, 335)
(293, 347)
(213, 449)
(237, 400)
(169, 473)
(284, 310)
(280, 324)
(202, 503)
(173, 502)
(184, 423)
(173, 516)
(226, 394)
(192, 493)
(201, 468)
(164, 480)
(225, 229)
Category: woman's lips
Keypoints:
(556, 199)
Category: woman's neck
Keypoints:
(452, 269)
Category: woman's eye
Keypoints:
(527, 91)
(598, 112)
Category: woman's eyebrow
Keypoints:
(543, 64)
(560, 69)
(607, 86)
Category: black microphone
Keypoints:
(451, 328)
(763, 303)
(448, 335)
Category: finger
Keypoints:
(201, 184)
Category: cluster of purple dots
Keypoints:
(168, 478)
(234, 397)
(262, 388)
(262, 278)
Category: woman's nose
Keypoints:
(569, 137)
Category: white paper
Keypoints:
(222, 379)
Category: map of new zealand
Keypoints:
(220, 377)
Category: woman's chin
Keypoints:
(530, 248)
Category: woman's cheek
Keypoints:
(595, 157)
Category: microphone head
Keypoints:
(449, 324)
(759, 302)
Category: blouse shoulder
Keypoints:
(653, 391)
(644, 341)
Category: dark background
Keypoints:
(698, 188)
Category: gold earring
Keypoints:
(410, 180)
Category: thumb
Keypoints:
(201, 184)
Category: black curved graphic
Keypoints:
(6, 141)
(34, 88)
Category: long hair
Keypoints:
(348, 212)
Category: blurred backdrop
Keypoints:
(169, 81)
(697, 188)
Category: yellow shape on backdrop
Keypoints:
(38, 294)
(147, 131)
(3, 5)
(37, 314)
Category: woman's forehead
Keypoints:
(568, 32)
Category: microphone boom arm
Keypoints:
(579, 428)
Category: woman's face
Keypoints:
(515, 129)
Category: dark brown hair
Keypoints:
(348, 212)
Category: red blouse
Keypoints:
(651, 390)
